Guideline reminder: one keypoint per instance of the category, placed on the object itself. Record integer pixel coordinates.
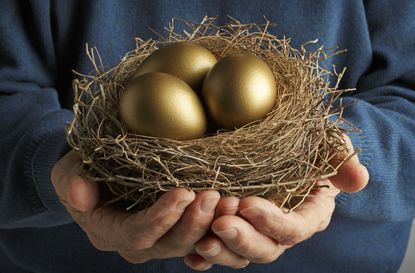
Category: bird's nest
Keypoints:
(279, 158)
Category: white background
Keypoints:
(408, 265)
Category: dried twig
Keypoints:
(279, 158)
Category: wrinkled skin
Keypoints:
(245, 230)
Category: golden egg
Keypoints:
(239, 89)
(161, 105)
(187, 61)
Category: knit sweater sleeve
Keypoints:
(384, 109)
(31, 118)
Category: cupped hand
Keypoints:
(169, 228)
(258, 231)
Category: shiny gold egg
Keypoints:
(161, 105)
(187, 61)
(239, 89)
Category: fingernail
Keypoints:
(208, 204)
(183, 204)
(229, 233)
(244, 265)
(212, 252)
(251, 211)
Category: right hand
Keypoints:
(169, 228)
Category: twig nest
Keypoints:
(279, 157)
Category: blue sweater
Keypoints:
(42, 41)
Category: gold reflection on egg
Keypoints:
(161, 105)
(187, 61)
(239, 89)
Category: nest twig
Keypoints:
(279, 158)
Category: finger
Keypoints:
(227, 206)
(193, 225)
(320, 204)
(243, 239)
(120, 230)
(214, 251)
(82, 194)
(67, 165)
(352, 176)
(180, 239)
(290, 228)
(197, 262)
(135, 257)
(72, 189)
(102, 226)
(141, 230)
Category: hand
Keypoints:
(264, 232)
(169, 228)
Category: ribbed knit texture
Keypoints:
(42, 41)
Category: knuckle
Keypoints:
(195, 228)
(240, 265)
(140, 243)
(162, 220)
(171, 199)
(294, 238)
(262, 222)
(128, 259)
(269, 258)
(242, 247)
(325, 224)
(83, 224)
(332, 208)
(101, 246)
(157, 250)
(169, 248)
(163, 251)
(206, 250)
(81, 219)
(133, 259)
(164, 224)
(271, 226)
(144, 240)
(323, 227)
(299, 237)
(95, 218)
(209, 252)
(270, 230)
(194, 211)
(171, 253)
(136, 242)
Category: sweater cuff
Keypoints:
(48, 146)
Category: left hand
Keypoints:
(264, 231)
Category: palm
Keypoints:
(264, 231)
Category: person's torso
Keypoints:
(111, 27)
(346, 246)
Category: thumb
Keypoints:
(351, 176)
(74, 190)
(82, 194)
